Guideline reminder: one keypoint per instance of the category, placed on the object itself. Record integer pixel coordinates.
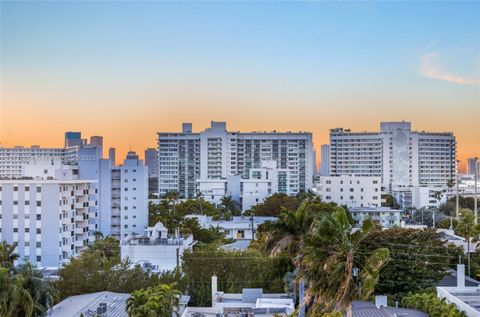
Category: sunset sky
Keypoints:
(126, 70)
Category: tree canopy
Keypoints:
(419, 259)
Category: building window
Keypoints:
(39, 189)
(39, 258)
(39, 231)
(240, 234)
(39, 217)
(39, 203)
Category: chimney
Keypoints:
(461, 275)
(214, 289)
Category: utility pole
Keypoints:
(475, 194)
(253, 230)
(457, 201)
(301, 298)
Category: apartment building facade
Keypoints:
(350, 190)
(402, 158)
(48, 219)
(216, 154)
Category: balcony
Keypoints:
(81, 205)
(79, 230)
(79, 243)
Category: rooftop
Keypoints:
(368, 309)
(88, 304)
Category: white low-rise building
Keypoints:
(48, 218)
(466, 298)
(350, 190)
(420, 197)
(156, 250)
(384, 216)
(238, 228)
(250, 302)
(262, 182)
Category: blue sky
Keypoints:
(354, 63)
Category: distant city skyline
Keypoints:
(127, 70)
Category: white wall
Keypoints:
(353, 191)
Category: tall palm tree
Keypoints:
(106, 248)
(335, 270)
(229, 205)
(291, 227)
(7, 255)
(467, 228)
(15, 300)
(172, 199)
(158, 301)
(42, 292)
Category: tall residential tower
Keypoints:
(185, 157)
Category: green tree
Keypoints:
(287, 233)
(449, 207)
(7, 255)
(229, 206)
(108, 247)
(467, 228)
(234, 269)
(420, 259)
(202, 235)
(156, 301)
(346, 274)
(41, 291)
(275, 204)
(15, 300)
(432, 305)
(172, 199)
(95, 271)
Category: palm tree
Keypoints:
(172, 199)
(106, 248)
(335, 270)
(290, 229)
(7, 255)
(200, 200)
(467, 228)
(159, 301)
(230, 206)
(42, 292)
(15, 300)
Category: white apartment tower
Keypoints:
(129, 194)
(401, 157)
(185, 157)
(49, 219)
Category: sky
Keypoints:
(126, 70)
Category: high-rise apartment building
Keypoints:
(151, 161)
(401, 157)
(12, 159)
(129, 194)
(325, 160)
(122, 192)
(73, 139)
(472, 163)
(48, 214)
(185, 157)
